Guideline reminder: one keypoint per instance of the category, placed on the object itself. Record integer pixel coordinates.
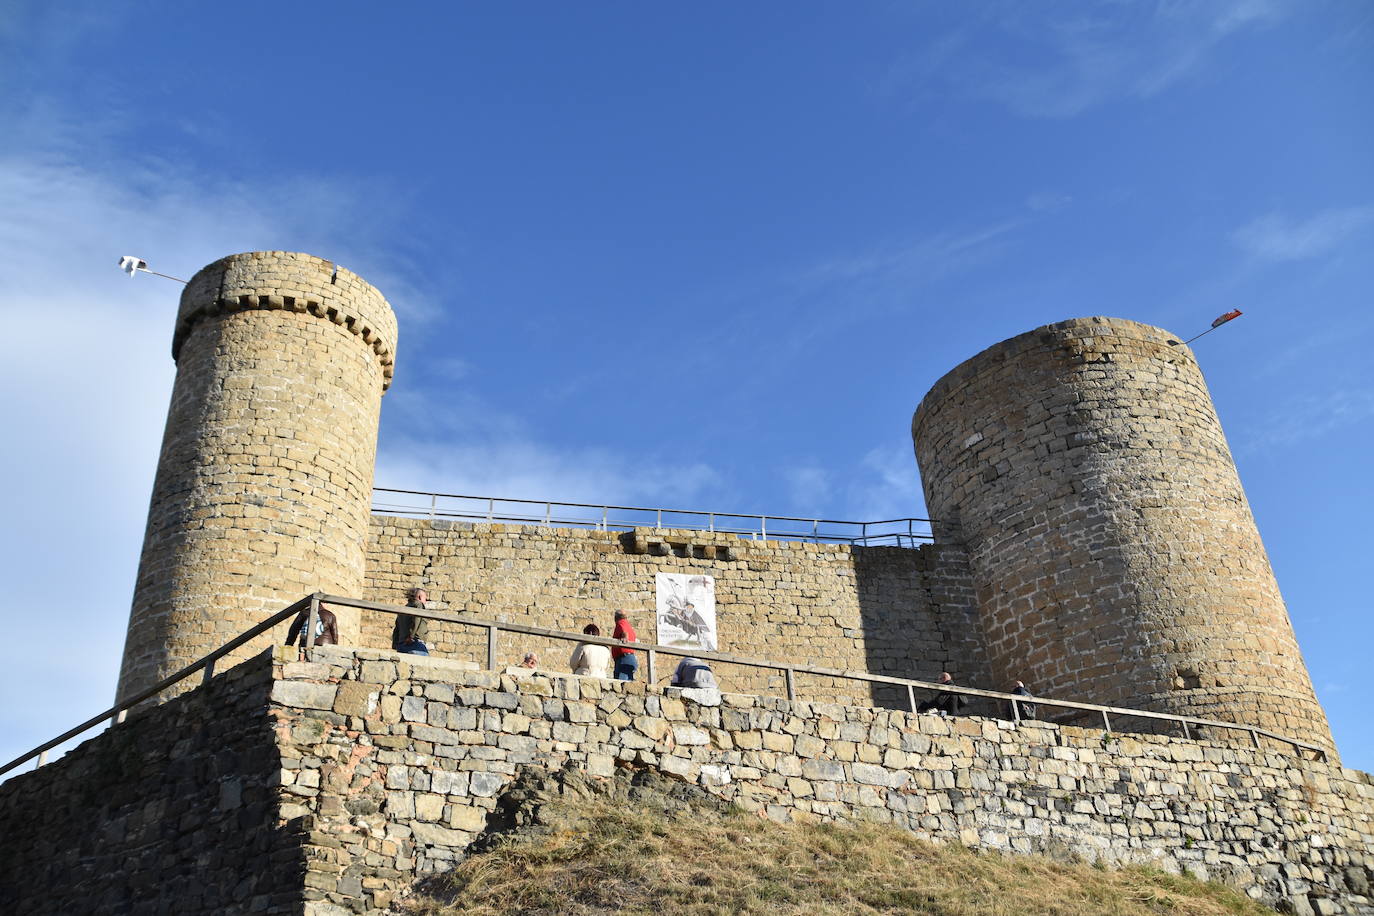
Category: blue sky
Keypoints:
(708, 255)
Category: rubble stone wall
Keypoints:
(174, 811)
(881, 610)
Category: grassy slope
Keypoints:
(613, 857)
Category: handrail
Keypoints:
(207, 663)
(493, 627)
(1015, 700)
(916, 530)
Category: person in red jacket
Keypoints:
(625, 662)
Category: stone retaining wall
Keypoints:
(175, 811)
(329, 786)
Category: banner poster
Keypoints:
(686, 610)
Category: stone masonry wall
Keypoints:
(329, 786)
(395, 763)
(263, 486)
(883, 610)
(1111, 545)
(173, 812)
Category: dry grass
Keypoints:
(619, 859)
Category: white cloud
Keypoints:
(456, 443)
(1275, 237)
(1061, 64)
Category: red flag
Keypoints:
(1234, 313)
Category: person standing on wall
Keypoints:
(625, 662)
(408, 635)
(326, 628)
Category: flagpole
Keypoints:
(1224, 319)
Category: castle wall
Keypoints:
(171, 812)
(885, 610)
(264, 482)
(1113, 552)
(330, 785)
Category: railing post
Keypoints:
(433, 504)
(311, 622)
(712, 523)
(763, 527)
(815, 529)
(1106, 723)
(604, 511)
(492, 630)
(209, 672)
(911, 696)
(491, 510)
(651, 669)
(658, 519)
(121, 716)
(791, 684)
(548, 512)
(1016, 712)
(42, 759)
(1254, 736)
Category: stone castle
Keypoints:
(1091, 539)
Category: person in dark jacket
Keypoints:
(1027, 709)
(326, 628)
(944, 702)
(409, 633)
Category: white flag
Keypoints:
(131, 265)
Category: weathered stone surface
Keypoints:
(1083, 466)
(303, 694)
(263, 487)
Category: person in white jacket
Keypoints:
(589, 658)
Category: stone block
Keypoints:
(303, 694)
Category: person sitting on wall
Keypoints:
(1027, 709)
(944, 702)
(625, 662)
(530, 660)
(326, 628)
(590, 659)
(408, 635)
(693, 672)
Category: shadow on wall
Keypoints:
(180, 803)
(919, 619)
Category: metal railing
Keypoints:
(899, 532)
(1015, 702)
(206, 665)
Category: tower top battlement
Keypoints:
(295, 282)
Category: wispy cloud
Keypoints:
(1060, 65)
(1312, 416)
(461, 444)
(882, 484)
(88, 379)
(1275, 237)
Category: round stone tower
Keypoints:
(263, 488)
(1113, 553)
